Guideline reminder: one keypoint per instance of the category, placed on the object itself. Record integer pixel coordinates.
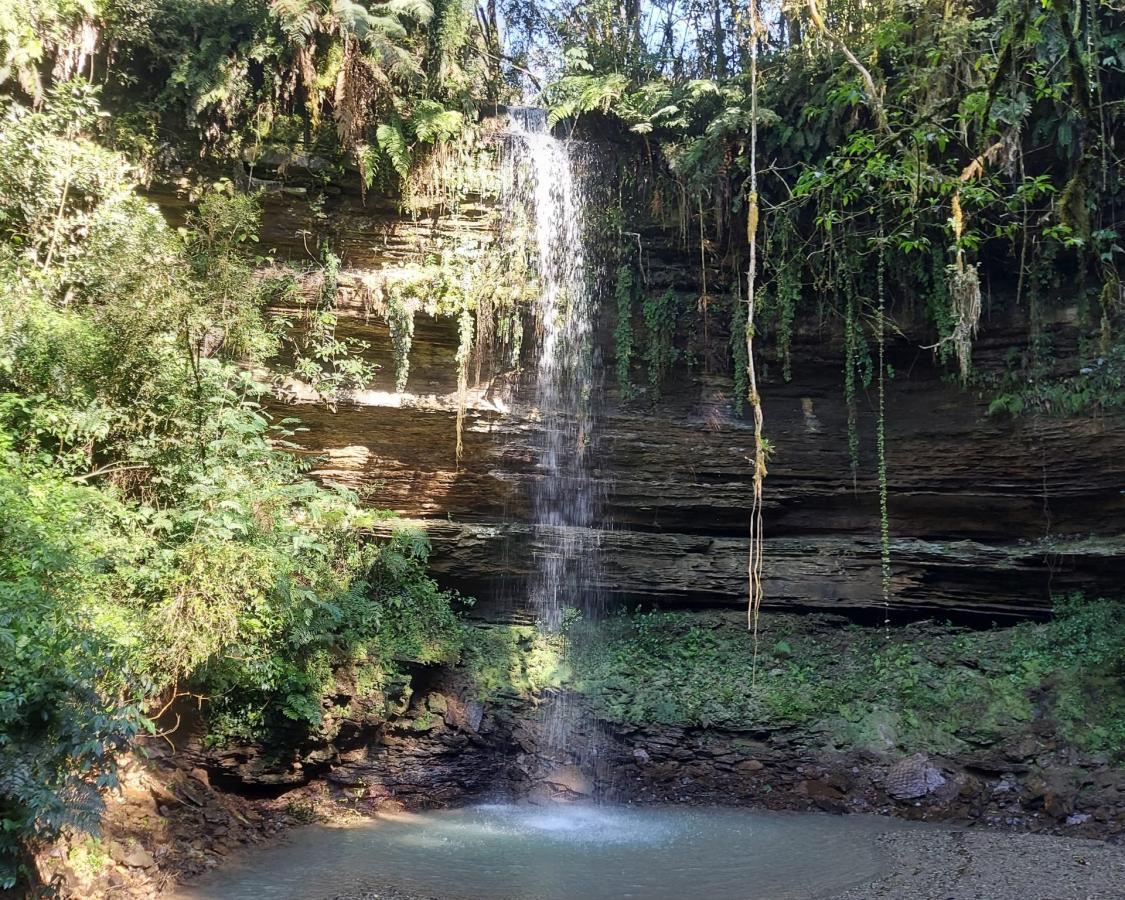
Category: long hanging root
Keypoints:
(964, 293)
(756, 525)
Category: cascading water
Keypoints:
(546, 174)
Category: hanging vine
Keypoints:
(398, 313)
(464, 353)
(881, 423)
(623, 330)
(756, 523)
(660, 313)
(852, 340)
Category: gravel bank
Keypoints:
(980, 865)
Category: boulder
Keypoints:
(135, 857)
(1058, 790)
(913, 777)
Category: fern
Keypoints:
(578, 94)
(369, 160)
(392, 142)
(420, 11)
(432, 123)
(299, 18)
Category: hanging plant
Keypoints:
(398, 313)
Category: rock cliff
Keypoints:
(990, 515)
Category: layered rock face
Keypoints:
(989, 516)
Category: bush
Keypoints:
(60, 719)
(156, 534)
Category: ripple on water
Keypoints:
(566, 852)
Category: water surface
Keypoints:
(565, 852)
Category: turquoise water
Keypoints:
(565, 852)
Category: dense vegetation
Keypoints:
(156, 536)
(936, 688)
(927, 688)
(915, 162)
(972, 149)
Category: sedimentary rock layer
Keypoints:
(989, 516)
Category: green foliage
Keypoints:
(923, 688)
(392, 142)
(1081, 656)
(359, 76)
(514, 660)
(661, 313)
(786, 296)
(399, 315)
(987, 147)
(623, 331)
(333, 365)
(432, 123)
(156, 534)
(576, 94)
(740, 354)
(60, 717)
(852, 342)
(1097, 387)
(390, 613)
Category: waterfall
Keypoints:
(547, 175)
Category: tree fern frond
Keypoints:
(299, 19)
(386, 27)
(420, 11)
(393, 143)
(432, 123)
(577, 94)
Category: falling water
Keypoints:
(547, 174)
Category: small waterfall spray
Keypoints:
(545, 173)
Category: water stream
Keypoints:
(544, 174)
(564, 852)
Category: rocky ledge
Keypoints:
(447, 747)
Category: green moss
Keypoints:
(88, 858)
(929, 687)
(514, 660)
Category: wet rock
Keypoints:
(1058, 790)
(166, 798)
(824, 795)
(571, 778)
(1022, 748)
(201, 776)
(913, 777)
(437, 703)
